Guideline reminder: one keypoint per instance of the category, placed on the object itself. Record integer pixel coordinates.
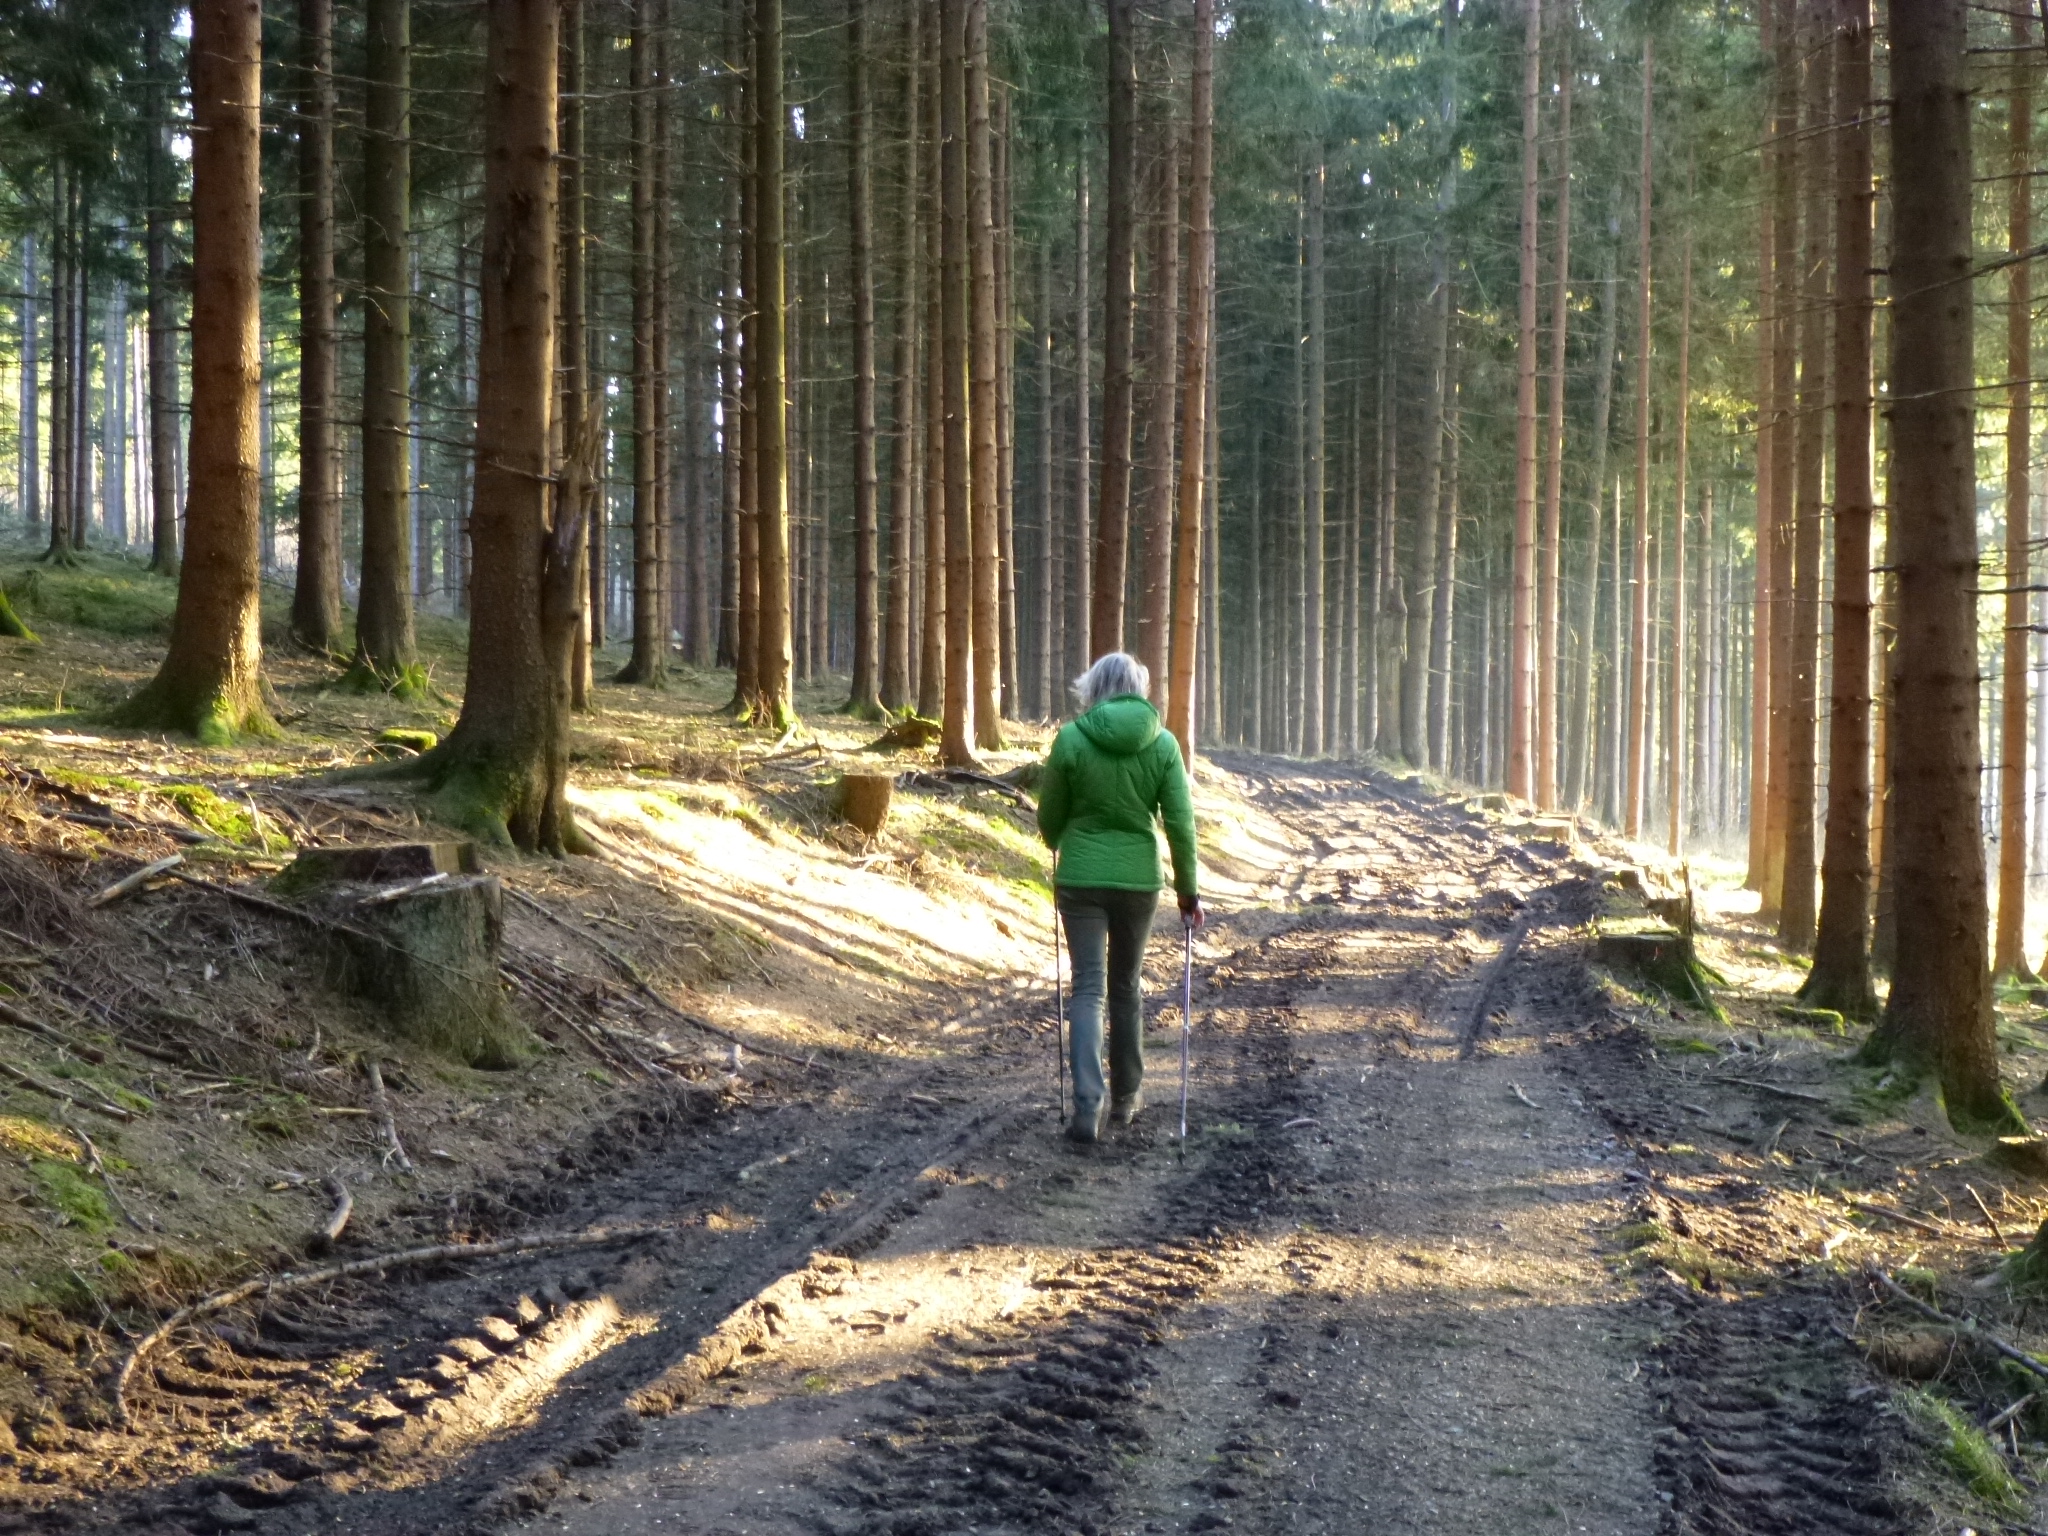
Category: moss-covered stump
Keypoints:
(1657, 953)
(864, 800)
(11, 624)
(427, 955)
(910, 732)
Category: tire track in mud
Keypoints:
(1764, 1433)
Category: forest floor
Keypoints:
(1466, 1235)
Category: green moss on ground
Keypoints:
(82, 1203)
(1965, 1449)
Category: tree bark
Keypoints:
(955, 363)
(210, 682)
(1756, 876)
(1155, 580)
(1581, 774)
(897, 690)
(1797, 897)
(1549, 588)
(1639, 624)
(772, 705)
(1195, 382)
(1840, 978)
(503, 769)
(931, 679)
(316, 595)
(648, 663)
(1119, 306)
(1316, 494)
(1784, 390)
(27, 406)
(1675, 736)
(984, 395)
(1939, 1012)
(1522, 643)
(2008, 953)
(385, 648)
(1080, 579)
(864, 698)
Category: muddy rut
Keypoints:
(1375, 1289)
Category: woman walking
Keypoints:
(1112, 773)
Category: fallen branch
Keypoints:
(380, 1105)
(274, 1285)
(1783, 1093)
(329, 1231)
(640, 983)
(1990, 1220)
(30, 1080)
(9, 1014)
(128, 884)
(92, 1156)
(1964, 1325)
(1891, 1215)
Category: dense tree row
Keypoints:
(1495, 388)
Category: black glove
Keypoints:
(1191, 913)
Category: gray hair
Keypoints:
(1117, 673)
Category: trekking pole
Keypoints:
(1187, 1016)
(1059, 997)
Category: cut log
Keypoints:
(864, 800)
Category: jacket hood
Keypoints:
(1122, 726)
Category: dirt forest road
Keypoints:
(1377, 1289)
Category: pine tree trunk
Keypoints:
(1119, 307)
(731, 383)
(210, 682)
(1046, 649)
(1316, 493)
(1797, 896)
(983, 394)
(316, 595)
(1549, 577)
(1006, 395)
(578, 425)
(1155, 579)
(62, 371)
(897, 688)
(1676, 690)
(1196, 423)
(773, 705)
(1756, 877)
(1784, 391)
(385, 647)
(2008, 954)
(1080, 578)
(163, 340)
(503, 769)
(1444, 577)
(1522, 578)
(648, 663)
(931, 679)
(1582, 768)
(1639, 625)
(1939, 1013)
(864, 698)
(1840, 978)
(954, 368)
(28, 462)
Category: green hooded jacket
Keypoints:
(1108, 774)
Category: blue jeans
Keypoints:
(1106, 934)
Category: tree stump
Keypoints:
(428, 956)
(416, 933)
(864, 800)
(1660, 955)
